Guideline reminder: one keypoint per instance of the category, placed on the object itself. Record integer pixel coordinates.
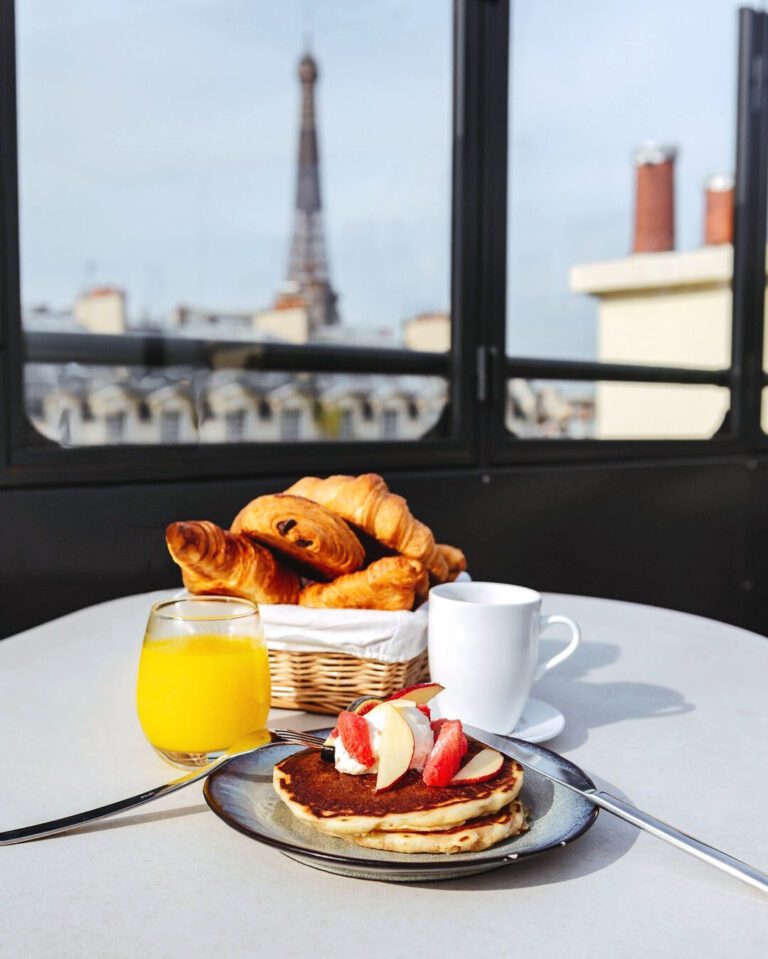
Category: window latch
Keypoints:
(484, 360)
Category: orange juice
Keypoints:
(201, 693)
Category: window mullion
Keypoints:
(751, 209)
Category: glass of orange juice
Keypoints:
(203, 677)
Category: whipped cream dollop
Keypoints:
(421, 728)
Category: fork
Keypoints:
(251, 743)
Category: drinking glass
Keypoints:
(203, 677)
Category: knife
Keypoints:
(543, 762)
(247, 744)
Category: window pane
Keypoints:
(229, 171)
(87, 406)
(550, 410)
(170, 426)
(659, 411)
(90, 406)
(613, 411)
(621, 199)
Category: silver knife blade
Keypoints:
(542, 761)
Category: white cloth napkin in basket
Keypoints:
(390, 637)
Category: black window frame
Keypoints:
(476, 368)
(741, 431)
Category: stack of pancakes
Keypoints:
(409, 818)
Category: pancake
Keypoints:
(345, 805)
(472, 836)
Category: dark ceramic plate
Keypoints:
(241, 794)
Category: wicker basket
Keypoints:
(327, 682)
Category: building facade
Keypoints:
(665, 309)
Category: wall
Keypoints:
(687, 534)
(669, 309)
(429, 331)
(291, 324)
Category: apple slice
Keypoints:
(419, 693)
(396, 746)
(483, 766)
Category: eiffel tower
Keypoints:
(308, 265)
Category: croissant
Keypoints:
(366, 502)
(437, 564)
(314, 538)
(390, 583)
(454, 558)
(421, 586)
(215, 561)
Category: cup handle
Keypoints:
(546, 622)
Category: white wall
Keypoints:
(664, 309)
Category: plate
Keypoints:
(241, 794)
(540, 721)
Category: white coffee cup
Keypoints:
(484, 648)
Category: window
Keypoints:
(235, 426)
(389, 424)
(114, 427)
(290, 425)
(218, 299)
(170, 426)
(65, 426)
(364, 249)
(620, 250)
(345, 425)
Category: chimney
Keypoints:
(718, 209)
(654, 198)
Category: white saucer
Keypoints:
(539, 722)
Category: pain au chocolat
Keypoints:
(215, 561)
(316, 540)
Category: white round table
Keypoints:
(665, 709)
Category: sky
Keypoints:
(158, 145)
(591, 81)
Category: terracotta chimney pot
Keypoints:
(654, 198)
(718, 209)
